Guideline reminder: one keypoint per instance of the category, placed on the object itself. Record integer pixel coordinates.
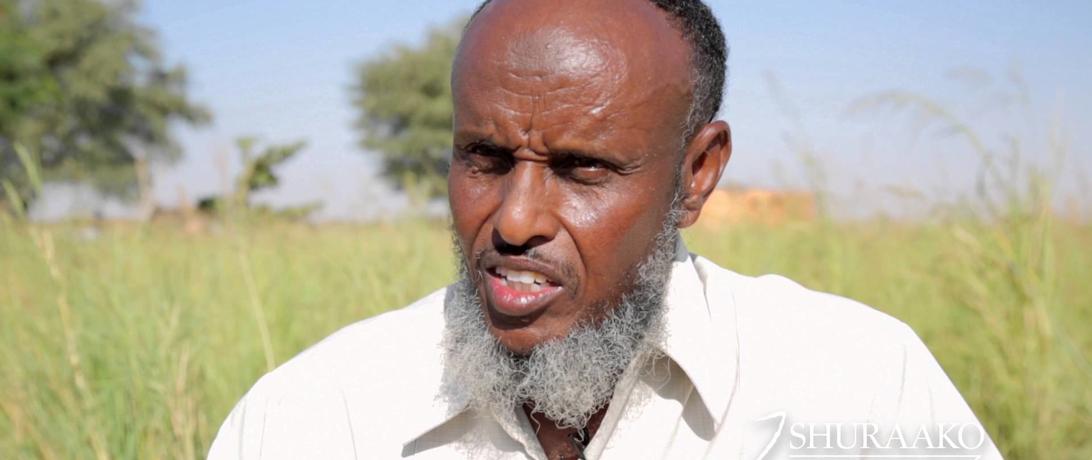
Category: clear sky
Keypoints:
(281, 70)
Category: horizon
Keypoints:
(281, 71)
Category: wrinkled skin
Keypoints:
(568, 133)
(568, 144)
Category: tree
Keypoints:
(83, 87)
(257, 174)
(404, 99)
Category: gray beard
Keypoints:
(569, 379)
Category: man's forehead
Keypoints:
(540, 38)
(546, 62)
(571, 68)
(558, 51)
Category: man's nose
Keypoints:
(524, 219)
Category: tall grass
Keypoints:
(1013, 272)
(135, 341)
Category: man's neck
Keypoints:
(563, 443)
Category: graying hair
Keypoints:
(569, 379)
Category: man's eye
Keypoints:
(584, 170)
(486, 160)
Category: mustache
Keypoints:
(567, 379)
(535, 254)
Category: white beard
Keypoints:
(568, 379)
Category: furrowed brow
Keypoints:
(572, 156)
(486, 146)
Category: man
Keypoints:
(580, 327)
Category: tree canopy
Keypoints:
(404, 100)
(84, 88)
(258, 173)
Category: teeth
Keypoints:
(521, 276)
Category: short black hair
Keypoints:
(708, 59)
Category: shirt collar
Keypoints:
(701, 334)
(447, 402)
(700, 338)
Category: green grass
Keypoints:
(136, 342)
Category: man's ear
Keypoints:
(703, 164)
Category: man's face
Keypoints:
(567, 126)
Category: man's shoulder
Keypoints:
(819, 357)
(812, 352)
(369, 353)
(773, 308)
(369, 384)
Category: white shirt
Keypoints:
(750, 367)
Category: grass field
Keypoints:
(135, 341)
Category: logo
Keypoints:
(864, 440)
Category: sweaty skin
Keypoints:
(568, 125)
(566, 140)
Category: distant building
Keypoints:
(733, 205)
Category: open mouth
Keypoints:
(522, 280)
(517, 293)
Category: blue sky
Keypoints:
(281, 70)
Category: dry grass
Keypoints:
(134, 342)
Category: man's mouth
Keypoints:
(522, 280)
(517, 293)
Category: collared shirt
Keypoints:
(752, 368)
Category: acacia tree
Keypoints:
(84, 88)
(404, 101)
(258, 173)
